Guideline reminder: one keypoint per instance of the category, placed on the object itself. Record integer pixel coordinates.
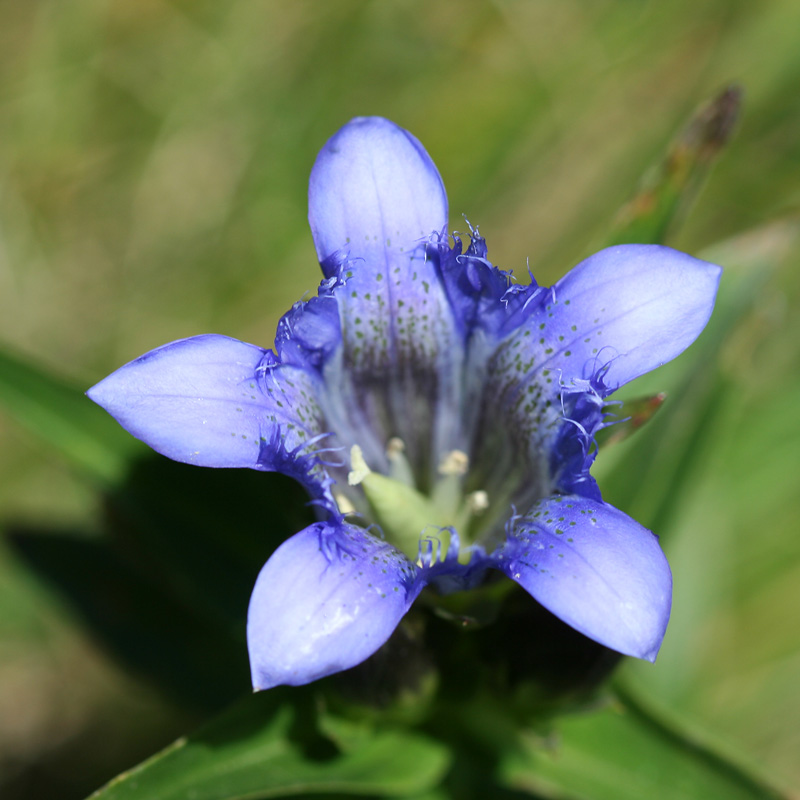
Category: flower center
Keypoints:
(405, 514)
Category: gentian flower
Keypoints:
(441, 416)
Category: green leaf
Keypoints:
(629, 751)
(59, 413)
(668, 190)
(260, 750)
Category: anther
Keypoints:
(477, 502)
(395, 447)
(456, 462)
(358, 467)
(399, 468)
(344, 504)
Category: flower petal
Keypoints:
(595, 568)
(631, 308)
(327, 599)
(374, 192)
(211, 401)
(375, 198)
(397, 372)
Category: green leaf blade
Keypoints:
(628, 751)
(252, 753)
(60, 414)
(668, 190)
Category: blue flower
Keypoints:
(440, 415)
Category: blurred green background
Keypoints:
(153, 165)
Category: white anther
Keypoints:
(345, 506)
(477, 502)
(456, 462)
(395, 447)
(358, 467)
(399, 468)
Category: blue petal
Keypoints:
(374, 192)
(625, 311)
(375, 198)
(310, 331)
(595, 568)
(212, 401)
(617, 315)
(397, 373)
(479, 292)
(327, 599)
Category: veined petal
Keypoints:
(327, 599)
(397, 373)
(374, 192)
(211, 401)
(628, 309)
(482, 296)
(617, 315)
(375, 198)
(310, 331)
(595, 568)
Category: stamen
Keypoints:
(446, 493)
(399, 468)
(456, 462)
(343, 501)
(477, 502)
(358, 467)
(395, 447)
(473, 505)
